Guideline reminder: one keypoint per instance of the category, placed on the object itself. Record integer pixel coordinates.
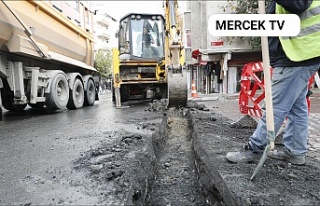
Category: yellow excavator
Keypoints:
(148, 63)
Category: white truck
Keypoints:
(46, 55)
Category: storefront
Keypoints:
(219, 70)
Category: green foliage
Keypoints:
(245, 7)
(103, 62)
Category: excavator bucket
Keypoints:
(177, 89)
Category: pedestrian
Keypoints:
(294, 60)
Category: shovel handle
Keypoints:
(268, 96)
(267, 84)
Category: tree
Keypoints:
(245, 7)
(103, 62)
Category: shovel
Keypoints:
(268, 96)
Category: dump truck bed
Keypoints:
(57, 28)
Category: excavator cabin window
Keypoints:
(142, 36)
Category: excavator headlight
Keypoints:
(138, 17)
(133, 16)
(158, 17)
(153, 17)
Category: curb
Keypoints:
(203, 99)
(207, 166)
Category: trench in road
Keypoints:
(177, 180)
(131, 167)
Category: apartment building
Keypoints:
(105, 27)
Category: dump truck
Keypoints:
(148, 63)
(46, 55)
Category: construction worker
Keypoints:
(145, 40)
(295, 60)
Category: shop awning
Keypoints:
(221, 50)
(196, 54)
(202, 63)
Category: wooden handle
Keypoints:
(267, 83)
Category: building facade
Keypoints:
(214, 63)
(105, 27)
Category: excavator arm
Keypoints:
(174, 62)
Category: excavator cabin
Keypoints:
(141, 37)
(148, 61)
(137, 62)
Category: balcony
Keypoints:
(102, 21)
(103, 36)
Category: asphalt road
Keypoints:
(37, 148)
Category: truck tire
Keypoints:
(90, 93)
(19, 107)
(59, 93)
(37, 105)
(76, 95)
(7, 104)
(7, 99)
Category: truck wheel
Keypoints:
(90, 93)
(37, 105)
(76, 97)
(19, 107)
(59, 93)
(7, 99)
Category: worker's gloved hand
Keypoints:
(309, 93)
(150, 39)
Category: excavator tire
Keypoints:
(163, 92)
(125, 93)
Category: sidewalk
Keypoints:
(277, 183)
(228, 106)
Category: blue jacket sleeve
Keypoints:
(295, 6)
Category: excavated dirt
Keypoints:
(177, 179)
(183, 163)
(138, 169)
(120, 171)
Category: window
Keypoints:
(124, 37)
(147, 37)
